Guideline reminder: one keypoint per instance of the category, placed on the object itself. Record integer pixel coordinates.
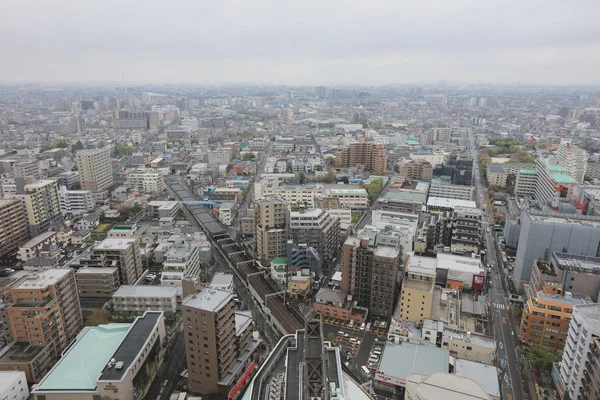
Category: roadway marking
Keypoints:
(499, 306)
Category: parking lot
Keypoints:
(357, 345)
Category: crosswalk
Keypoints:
(499, 306)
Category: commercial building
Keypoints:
(545, 319)
(112, 361)
(13, 226)
(271, 218)
(466, 230)
(97, 283)
(364, 154)
(403, 200)
(417, 169)
(318, 229)
(433, 233)
(443, 188)
(369, 274)
(122, 253)
(442, 385)
(483, 374)
(95, 171)
(219, 157)
(526, 182)
(216, 359)
(162, 209)
(43, 313)
(580, 355)
(416, 295)
(34, 246)
(13, 385)
(141, 298)
(295, 195)
(75, 202)
(443, 135)
(42, 205)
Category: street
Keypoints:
(167, 376)
(499, 306)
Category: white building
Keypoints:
(181, 259)
(526, 182)
(13, 385)
(218, 157)
(75, 202)
(442, 385)
(295, 195)
(32, 247)
(350, 196)
(190, 122)
(226, 214)
(459, 192)
(222, 281)
(432, 158)
(575, 160)
(161, 209)
(145, 298)
(147, 181)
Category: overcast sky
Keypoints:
(300, 42)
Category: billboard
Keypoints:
(478, 282)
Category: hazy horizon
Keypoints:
(313, 43)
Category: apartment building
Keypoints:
(553, 181)
(219, 157)
(496, 175)
(42, 205)
(417, 169)
(180, 260)
(214, 360)
(271, 218)
(416, 295)
(526, 183)
(545, 319)
(443, 135)
(369, 274)
(13, 226)
(579, 359)
(122, 253)
(318, 229)
(575, 159)
(466, 230)
(95, 171)
(162, 209)
(349, 196)
(364, 154)
(443, 188)
(139, 298)
(34, 246)
(148, 181)
(43, 312)
(295, 195)
(75, 202)
(97, 283)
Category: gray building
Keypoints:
(304, 256)
(543, 233)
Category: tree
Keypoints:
(301, 178)
(344, 179)
(330, 161)
(99, 317)
(397, 168)
(61, 145)
(249, 156)
(121, 149)
(374, 188)
(542, 358)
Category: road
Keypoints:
(166, 377)
(502, 321)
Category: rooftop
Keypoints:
(528, 171)
(209, 299)
(401, 360)
(221, 278)
(94, 270)
(85, 359)
(38, 239)
(561, 177)
(459, 263)
(447, 386)
(42, 279)
(243, 319)
(590, 313)
(485, 375)
(450, 203)
(145, 291)
(115, 244)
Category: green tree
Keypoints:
(374, 188)
(301, 178)
(249, 156)
(397, 168)
(98, 317)
(542, 358)
(61, 145)
(77, 146)
(330, 161)
(121, 149)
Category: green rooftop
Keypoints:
(279, 260)
(561, 178)
(83, 363)
(555, 167)
(412, 143)
(120, 230)
(528, 171)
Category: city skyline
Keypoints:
(308, 44)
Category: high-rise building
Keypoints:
(26, 172)
(369, 274)
(417, 169)
(271, 218)
(42, 205)
(442, 188)
(13, 226)
(553, 181)
(418, 285)
(44, 312)
(95, 171)
(581, 354)
(123, 253)
(214, 345)
(575, 159)
(443, 135)
(526, 183)
(365, 154)
(318, 229)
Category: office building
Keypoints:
(581, 353)
(13, 385)
(95, 171)
(442, 385)
(543, 232)
(97, 283)
(526, 182)
(271, 219)
(416, 295)
(122, 253)
(75, 202)
(43, 313)
(369, 274)
(575, 160)
(442, 188)
(125, 119)
(364, 154)
(25, 172)
(546, 316)
(42, 205)
(113, 361)
(466, 230)
(13, 226)
(147, 181)
(417, 169)
(318, 229)
(217, 353)
(140, 298)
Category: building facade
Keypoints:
(318, 229)
(369, 155)
(42, 205)
(13, 226)
(75, 202)
(271, 218)
(95, 171)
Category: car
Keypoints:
(362, 326)
(376, 353)
(341, 333)
(487, 230)
(368, 328)
(351, 324)
(373, 359)
(150, 277)
(383, 324)
(354, 341)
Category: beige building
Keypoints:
(95, 171)
(42, 205)
(147, 181)
(43, 312)
(271, 218)
(496, 175)
(416, 295)
(13, 226)
(316, 228)
(526, 182)
(97, 283)
(122, 253)
(140, 298)
(417, 169)
(466, 230)
(364, 154)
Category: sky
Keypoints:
(300, 42)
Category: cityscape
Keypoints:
(226, 202)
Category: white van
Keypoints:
(373, 359)
(366, 371)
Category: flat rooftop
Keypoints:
(243, 319)
(450, 203)
(145, 291)
(446, 386)
(85, 359)
(96, 271)
(42, 278)
(131, 345)
(209, 299)
(115, 244)
(459, 263)
(401, 360)
(421, 265)
(221, 278)
(485, 375)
